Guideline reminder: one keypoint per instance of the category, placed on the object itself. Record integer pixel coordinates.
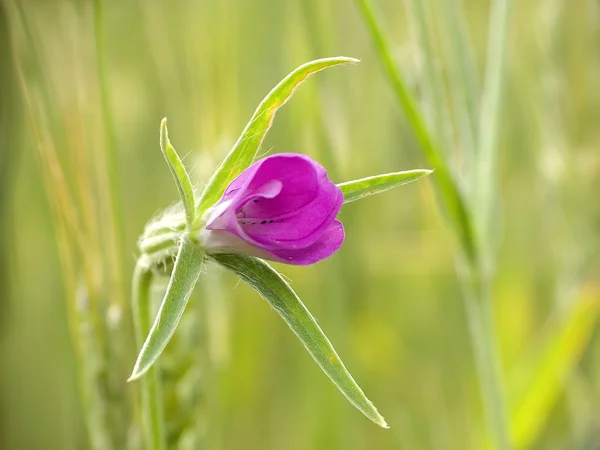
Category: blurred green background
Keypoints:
(81, 173)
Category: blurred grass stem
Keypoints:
(476, 278)
(463, 79)
(152, 407)
(452, 199)
(484, 206)
(112, 203)
(82, 320)
(434, 88)
(482, 332)
(487, 140)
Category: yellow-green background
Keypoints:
(388, 300)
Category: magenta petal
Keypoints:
(224, 215)
(300, 177)
(284, 205)
(297, 173)
(302, 227)
(327, 244)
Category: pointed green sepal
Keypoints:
(357, 189)
(274, 289)
(245, 149)
(186, 272)
(180, 175)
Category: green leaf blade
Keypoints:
(451, 196)
(186, 272)
(246, 147)
(276, 291)
(364, 187)
(180, 175)
(537, 381)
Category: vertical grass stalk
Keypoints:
(82, 316)
(451, 197)
(463, 79)
(434, 83)
(476, 277)
(484, 207)
(151, 399)
(112, 173)
(489, 121)
(482, 333)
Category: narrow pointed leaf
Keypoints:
(245, 149)
(537, 382)
(451, 196)
(180, 175)
(357, 189)
(274, 289)
(183, 279)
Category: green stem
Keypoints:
(475, 279)
(478, 305)
(104, 95)
(463, 78)
(491, 108)
(434, 83)
(83, 316)
(112, 173)
(451, 196)
(152, 407)
(85, 335)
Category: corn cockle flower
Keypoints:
(281, 208)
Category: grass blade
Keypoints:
(489, 121)
(245, 149)
(183, 279)
(434, 86)
(151, 397)
(482, 334)
(537, 382)
(476, 277)
(180, 175)
(273, 288)
(452, 198)
(357, 189)
(463, 77)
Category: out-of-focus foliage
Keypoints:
(80, 176)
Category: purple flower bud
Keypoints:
(281, 208)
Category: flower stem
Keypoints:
(478, 305)
(152, 406)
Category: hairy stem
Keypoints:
(152, 406)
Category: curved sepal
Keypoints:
(186, 272)
(357, 189)
(246, 147)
